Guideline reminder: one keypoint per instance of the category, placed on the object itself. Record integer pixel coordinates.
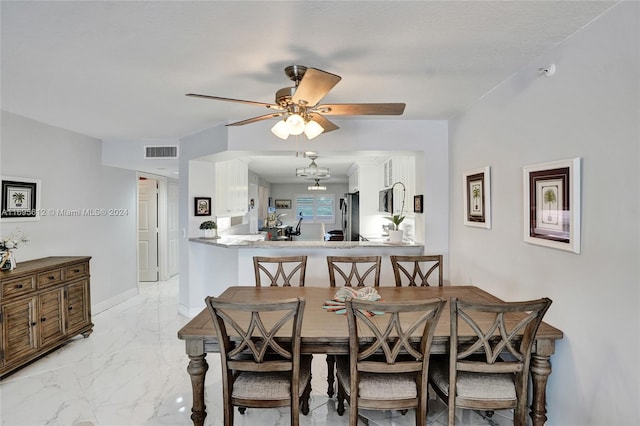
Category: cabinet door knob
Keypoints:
(43, 319)
(33, 323)
(70, 307)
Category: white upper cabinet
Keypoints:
(232, 188)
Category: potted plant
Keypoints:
(395, 234)
(210, 229)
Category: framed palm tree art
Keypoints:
(552, 204)
(477, 197)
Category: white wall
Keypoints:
(69, 166)
(590, 108)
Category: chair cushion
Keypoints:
(377, 386)
(270, 385)
(481, 386)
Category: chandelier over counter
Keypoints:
(312, 171)
(317, 186)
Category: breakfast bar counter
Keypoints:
(246, 241)
(216, 264)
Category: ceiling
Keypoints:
(119, 70)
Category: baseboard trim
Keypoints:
(115, 300)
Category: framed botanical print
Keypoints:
(552, 204)
(477, 197)
(20, 199)
(202, 206)
(417, 204)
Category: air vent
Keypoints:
(166, 151)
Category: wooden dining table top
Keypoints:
(327, 332)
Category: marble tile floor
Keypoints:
(132, 371)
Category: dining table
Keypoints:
(326, 332)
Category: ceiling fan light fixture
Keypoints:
(312, 129)
(280, 130)
(295, 124)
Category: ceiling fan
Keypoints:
(298, 105)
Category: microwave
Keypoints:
(385, 201)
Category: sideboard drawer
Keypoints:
(18, 287)
(49, 278)
(76, 271)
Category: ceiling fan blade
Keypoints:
(255, 119)
(327, 125)
(218, 98)
(315, 84)
(361, 109)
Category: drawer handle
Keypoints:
(51, 277)
(19, 286)
(76, 270)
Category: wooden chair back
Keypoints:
(354, 271)
(280, 271)
(504, 336)
(388, 345)
(258, 337)
(417, 270)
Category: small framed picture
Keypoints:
(552, 204)
(417, 203)
(477, 197)
(202, 206)
(283, 204)
(20, 199)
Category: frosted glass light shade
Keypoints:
(312, 129)
(280, 130)
(295, 124)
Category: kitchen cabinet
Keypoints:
(400, 168)
(354, 179)
(43, 304)
(232, 188)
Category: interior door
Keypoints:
(148, 230)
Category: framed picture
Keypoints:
(202, 206)
(552, 204)
(477, 197)
(283, 204)
(417, 203)
(20, 199)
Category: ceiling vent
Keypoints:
(166, 151)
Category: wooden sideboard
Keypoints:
(43, 304)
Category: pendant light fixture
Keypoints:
(317, 186)
(312, 171)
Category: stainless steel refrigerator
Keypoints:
(351, 217)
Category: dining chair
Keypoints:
(280, 270)
(354, 271)
(362, 270)
(491, 370)
(416, 270)
(388, 362)
(260, 355)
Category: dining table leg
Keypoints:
(540, 371)
(331, 364)
(197, 370)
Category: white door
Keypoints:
(172, 225)
(147, 230)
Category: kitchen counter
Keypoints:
(246, 241)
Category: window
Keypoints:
(316, 208)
